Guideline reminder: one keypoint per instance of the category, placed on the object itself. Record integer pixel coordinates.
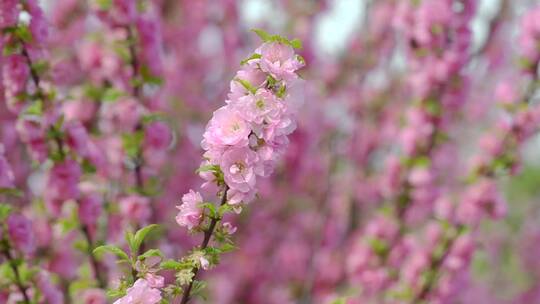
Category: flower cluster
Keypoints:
(246, 137)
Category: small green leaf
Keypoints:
(247, 85)
(227, 247)
(154, 116)
(104, 4)
(11, 192)
(5, 210)
(151, 253)
(296, 43)
(40, 67)
(147, 77)
(11, 49)
(24, 33)
(140, 235)
(225, 209)
(339, 301)
(132, 143)
(112, 95)
(211, 209)
(262, 34)
(171, 264)
(281, 92)
(112, 249)
(207, 168)
(253, 56)
(88, 167)
(35, 108)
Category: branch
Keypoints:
(18, 282)
(207, 235)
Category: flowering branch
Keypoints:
(15, 269)
(207, 235)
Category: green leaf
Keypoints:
(140, 235)
(253, 56)
(132, 143)
(265, 37)
(198, 289)
(171, 264)
(211, 208)
(36, 108)
(11, 49)
(88, 167)
(112, 95)
(281, 92)
(227, 247)
(129, 236)
(147, 76)
(154, 116)
(262, 34)
(340, 301)
(6, 272)
(11, 192)
(225, 209)
(151, 253)
(247, 85)
(208, 168)
(112, 249)
(5, 210)
(40, 67)
(296, 43)
(23, 33)
(104, 4)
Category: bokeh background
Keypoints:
(296, 242)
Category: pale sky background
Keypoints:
(336, 25)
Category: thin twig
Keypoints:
(18, 282)
(207, 235)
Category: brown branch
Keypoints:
(207, 235)
(20, 286)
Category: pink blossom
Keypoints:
(204, 263)
(135, 208)
(226, 128)
(38, 24)
(15, 74)
(190, 213)
(157, 136)
(149, 31)
(20, 233)
(6, 174)
(51, 294)
(142, 293)
(90, 208)
(506, 92)
(76, 137)
(249, 73)
(278, 60)
(81, 110)
(94, 296)
(9, 13)
(259, 108)
(62, 183)
(238, 166)
(32, 133)
(122, 115)
(154, 281)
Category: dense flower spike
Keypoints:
(247, 136)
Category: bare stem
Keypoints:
(93, 262)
